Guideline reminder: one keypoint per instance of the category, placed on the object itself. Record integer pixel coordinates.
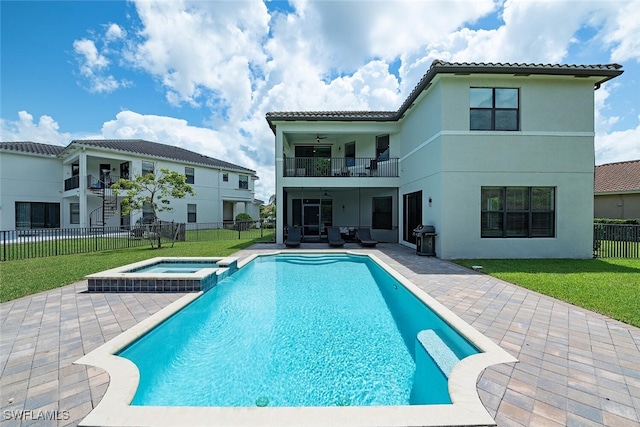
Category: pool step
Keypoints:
(431, 377)
(439, 351)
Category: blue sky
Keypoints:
(202, 74)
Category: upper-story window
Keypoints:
(494, 109)
(147, 168)
(75, 169)
(243, 182)
(225, 177)
(189, 173)
(382, 147)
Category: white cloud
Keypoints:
(624, 32)
(45, 131)
(91, 59)
(234, 61)
(226, 144)
(115, 32)
(618, 145)
(94, 65)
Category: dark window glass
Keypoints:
(147, 168)
(382, 147)
(147, 214)
(243, 182)
(190, 175)
(517, 212)
(74, 213)
(191, 213)
(350, 153)
(225, 177)
(37, 215)
(481, 119)
(481, 97)
(382, 213)
(494, 109)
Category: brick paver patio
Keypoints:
(577, 368)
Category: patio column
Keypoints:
(82, 189)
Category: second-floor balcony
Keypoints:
(340, 167)
(93, 182)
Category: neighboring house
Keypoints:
(617, 190)
(498, 157)
(48, 186)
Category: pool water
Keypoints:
(298, 330)
(175, 267)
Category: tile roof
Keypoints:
(32, 148)
(618, 177)
(605, 71)
(332, 115)
(155, 149)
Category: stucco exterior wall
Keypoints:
(619, 206)
(450, 164)
(28, 178)
(32, 178)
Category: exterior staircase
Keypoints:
(109, 208)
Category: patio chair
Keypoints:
(293, 237)
(364, 237)
(333, 233)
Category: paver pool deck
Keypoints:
(576, 367)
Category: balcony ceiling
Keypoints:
(310, 138)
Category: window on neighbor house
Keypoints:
(243, 182)
(190, 174)
(225, 177)
(147, 214)
(147, 167)
(31, 215)
(191, 213)
(382, 213)
(74, 213)
(75, 169)
(350, 153)
(518, 212)
(382, 147)
(494, 109)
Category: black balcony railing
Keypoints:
(340, 167)
(72, 183)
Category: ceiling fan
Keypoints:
(318, 138)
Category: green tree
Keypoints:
(153, 190)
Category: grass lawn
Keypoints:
(608, 286)
(25, 277)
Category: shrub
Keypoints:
(243, 221)
(243, 217)
(616, 221)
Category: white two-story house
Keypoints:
(498, 157)
(49, 186)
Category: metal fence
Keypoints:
(38, 243)
(616, 240)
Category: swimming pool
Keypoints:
(336, 329)
(293, 394)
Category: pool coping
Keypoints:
(466, 409)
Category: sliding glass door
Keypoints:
(412, 215)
